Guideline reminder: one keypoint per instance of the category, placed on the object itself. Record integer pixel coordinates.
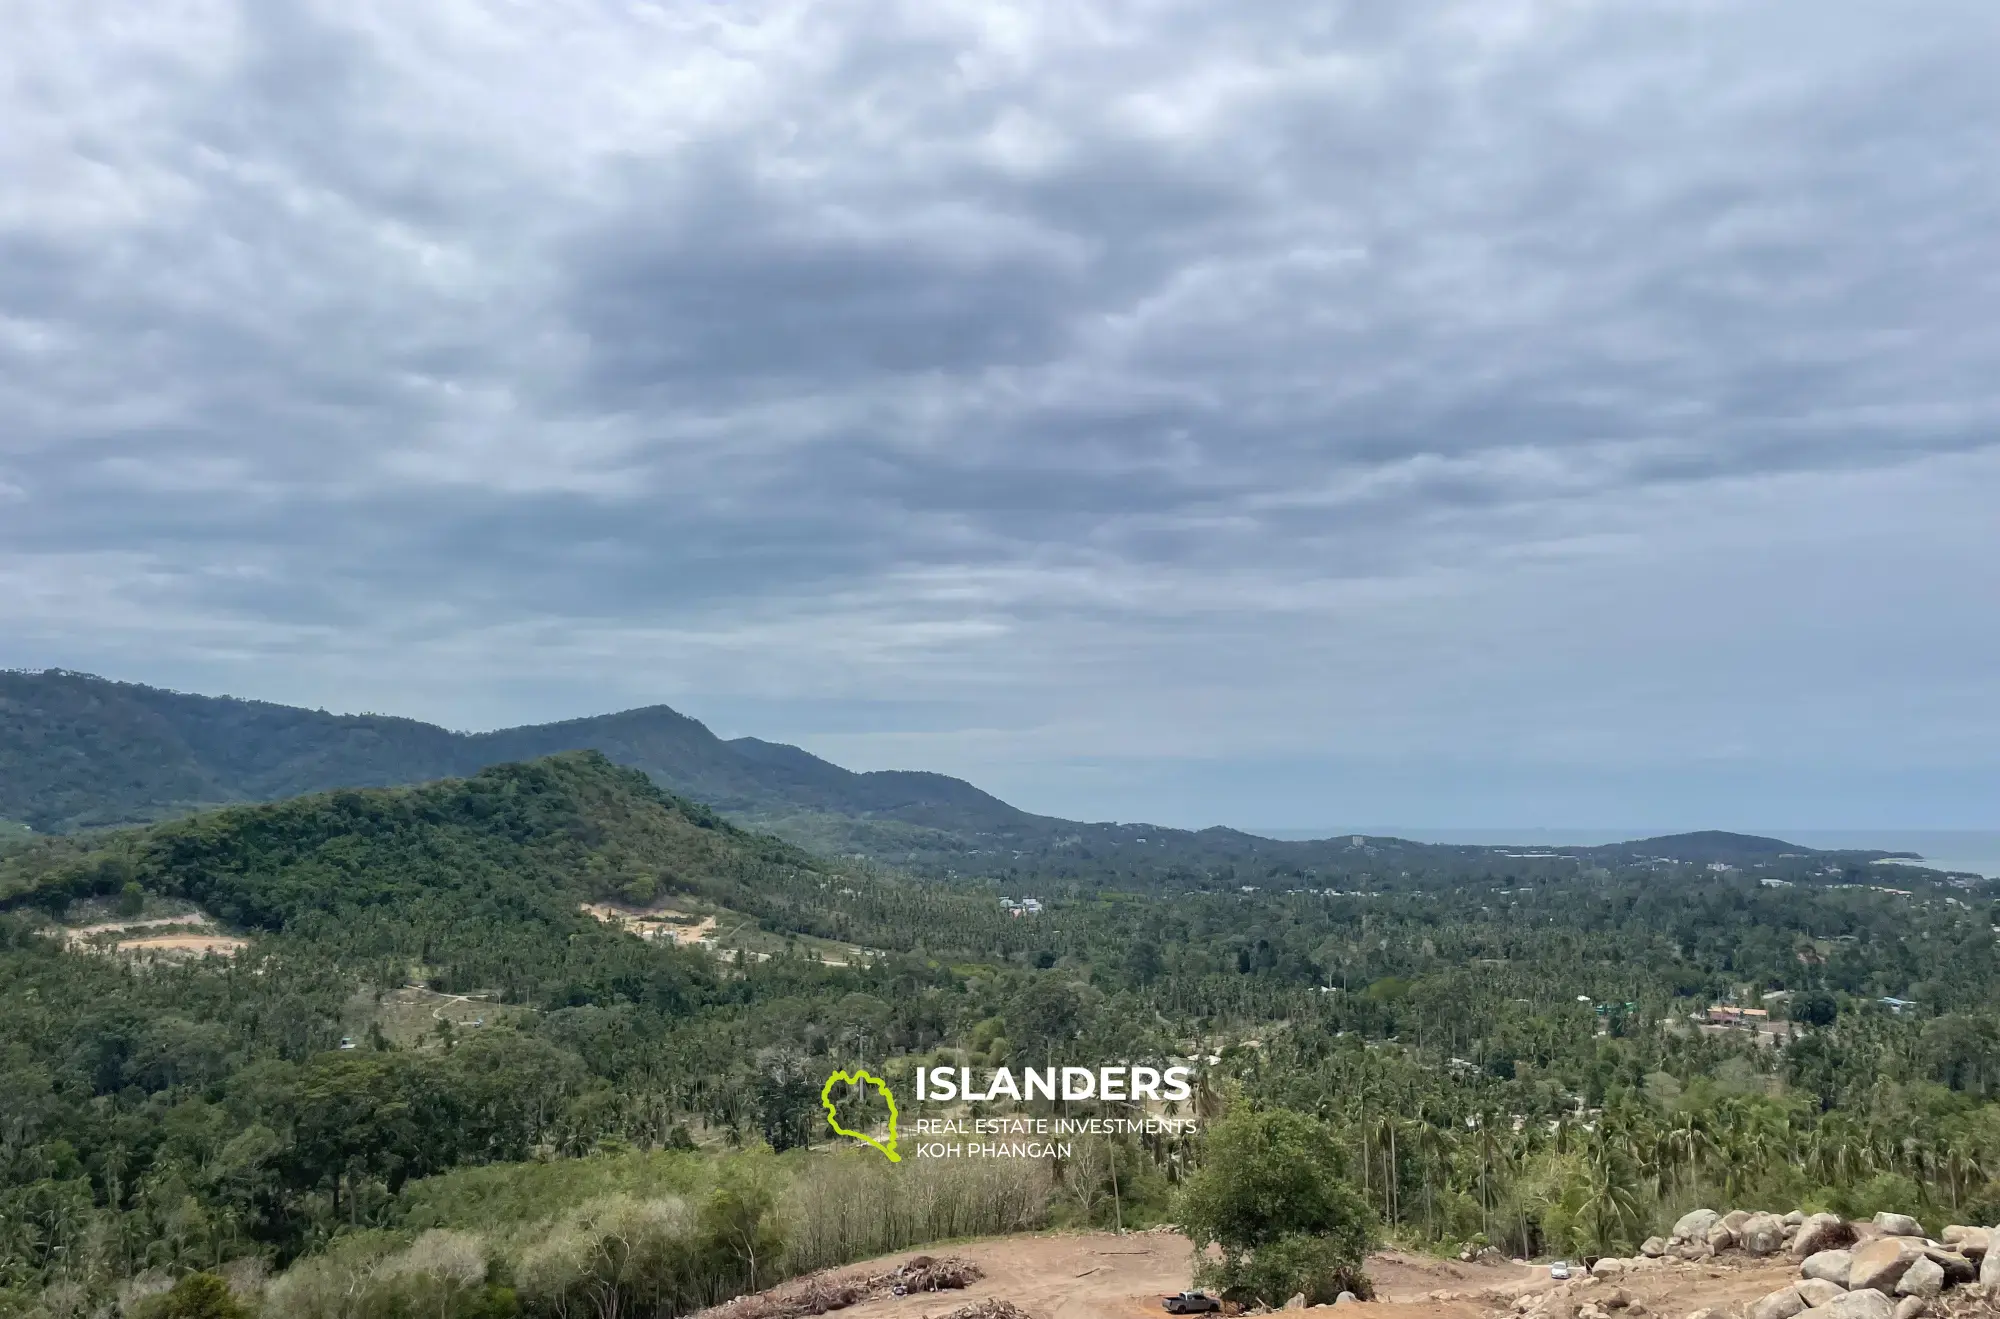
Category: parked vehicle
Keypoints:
(1559, 1270)
(1189, 1303)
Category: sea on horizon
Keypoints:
(1973, 850)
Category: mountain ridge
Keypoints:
(85, 751)
(81, 751)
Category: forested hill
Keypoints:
(78, 751)
(453, 875)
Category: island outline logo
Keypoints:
(861, 1076)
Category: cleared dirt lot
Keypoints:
(1105, 1275)
(190, 934)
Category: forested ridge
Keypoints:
(79, 752)
(1482, 1054)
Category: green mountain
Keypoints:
(474, 876)
(78, 751)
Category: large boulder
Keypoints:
(1958, 1270)
(1880, 1264)
(1818, 1291)
(1609, 1267)
(1924, 1278)
(1762, 1234)
(1821, 1232)
(1654, 1248)
(1796, 1217)
(1854, 1305)
(1735, 1219)
(1695, 1225)
(1970, 1242)
(1780, 1304)
(1911, 1307)
(1720, 1238)
(1989, 1268)
(1898, 1225)
(1832, 1266)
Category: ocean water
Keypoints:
(1976, 850)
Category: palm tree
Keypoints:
(1836, 1153)
(1687, 1148)
(1960, 1170)
(1433, 1148)
(1490, 1159)
(1386, 1130)
(1611, 1203)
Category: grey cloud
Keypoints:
(830, 358)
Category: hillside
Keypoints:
(299, 1032)
(460, 876)
(78, 751)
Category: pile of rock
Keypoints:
(1703, 1233)
(1884, 1269)
(1582, 1298)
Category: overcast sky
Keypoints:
(1427, 414)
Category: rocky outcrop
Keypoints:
(1832, 1266)
(1821, 1232)
(1695, 1225)
(1780, 1304)
(1971, 1242)
(1854, 1305)
(1761, 1234)
(1891, 1272)
(1880, 1264)
(1924, 1278)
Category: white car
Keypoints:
(1560, 1270)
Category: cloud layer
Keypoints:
(1141, 408)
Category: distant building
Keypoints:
(1896, 1005)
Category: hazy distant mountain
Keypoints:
(78, 751)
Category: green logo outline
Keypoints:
(861, 1076)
